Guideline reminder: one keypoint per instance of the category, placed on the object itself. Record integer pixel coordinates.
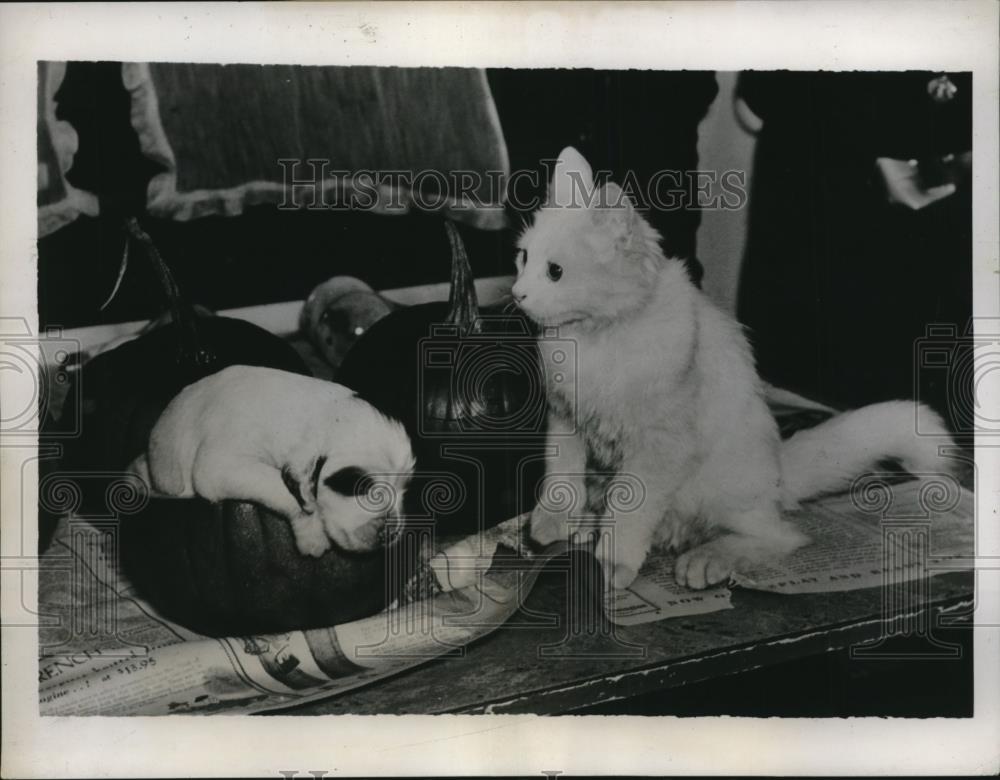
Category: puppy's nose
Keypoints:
(518, 296)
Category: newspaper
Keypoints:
(880, 533)
(655, 595)
(105, 651)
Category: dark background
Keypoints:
(837, 284)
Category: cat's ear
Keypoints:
(615, 209)
(572, 181)
(611, 196)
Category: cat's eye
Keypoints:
(351, 481)
(520, 260)
(554, 272)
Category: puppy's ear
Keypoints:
(294, 485)
(312, 493)
(303, 484)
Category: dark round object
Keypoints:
(220, 569)
(232, 568)
(468, 386)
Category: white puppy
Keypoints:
(305, 448)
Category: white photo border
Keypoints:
(846, 35)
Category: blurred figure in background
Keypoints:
(860, 230)
(632, 123)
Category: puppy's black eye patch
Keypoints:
(350, 481)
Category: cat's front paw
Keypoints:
(547, 527)
(622, 576)
(621, 567)
(704, 566)
(310, 537)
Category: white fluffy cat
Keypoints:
(665, 389)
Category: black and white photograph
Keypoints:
(364, 360)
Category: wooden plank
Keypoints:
(506, 672)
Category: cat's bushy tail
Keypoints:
(831, 455)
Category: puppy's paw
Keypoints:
(310, 537)
(705, 565)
